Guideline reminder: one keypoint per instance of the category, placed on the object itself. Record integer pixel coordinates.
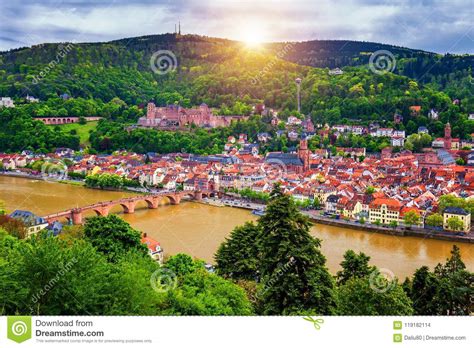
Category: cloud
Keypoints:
(439, 26)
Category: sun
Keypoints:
(253, 40)
(252, 36)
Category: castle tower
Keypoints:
(303, 154)
(150, 111)
(447, 136)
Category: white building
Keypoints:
(292, 120)
(336, 71)
(398, 141)
(33, 223)
(433, 114)
(398, 133)
(384, 132)
(7, 102)
(438, 143)
(330, 206)
(31, 99)
(342, 128)
(359, 130)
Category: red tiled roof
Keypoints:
(152, 244)
(389, 202)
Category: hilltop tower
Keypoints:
(298, 93)
(177, 29)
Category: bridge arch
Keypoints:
(98, 212)
(173, 199)
(152, 202)
(102, 210)
(129, 207)
(189, 194)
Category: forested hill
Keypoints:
(213, 71)
(116, 79)
(340, 53)
(417, 64)
(209, 70)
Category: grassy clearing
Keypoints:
(82, 130)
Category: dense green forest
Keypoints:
(115, 80)
(271, 267)
(444, 71)
(214, 71)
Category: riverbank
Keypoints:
(401, 231)
(59, 180)
(75, 182)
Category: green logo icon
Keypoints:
(317, 322)
(19, 328)
(397, 325)
(397, 338)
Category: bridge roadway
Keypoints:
(128, 204)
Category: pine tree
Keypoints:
(456, 289)
(294, 278)
(424, 288)
(237, 256)
(454, 263)
(358, 297)
(354, 266)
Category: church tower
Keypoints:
(447, 136)
(303, 154)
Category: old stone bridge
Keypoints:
(128, 204)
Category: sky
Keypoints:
(433, 25)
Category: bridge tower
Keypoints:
(76, 215)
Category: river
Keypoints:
(198, 229)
